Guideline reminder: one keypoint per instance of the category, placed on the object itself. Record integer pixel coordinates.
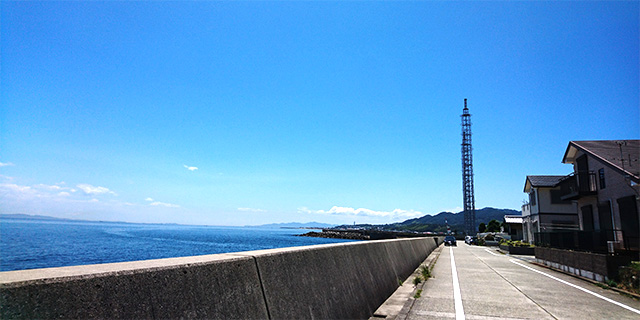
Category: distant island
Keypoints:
(31, 217)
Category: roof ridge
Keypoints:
(598, 156)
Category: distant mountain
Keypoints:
(297, 225)
(436, 223)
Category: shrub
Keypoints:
(518, 243)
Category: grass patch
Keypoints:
(426, 272)
(417, 280)
(418, 294)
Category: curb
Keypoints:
(397, 306)
(594, 282)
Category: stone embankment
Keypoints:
(334, 281)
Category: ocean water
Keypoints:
(29, 244)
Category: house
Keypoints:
(513, 226)
(604, 186)
(546, 211)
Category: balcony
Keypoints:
(578, 185)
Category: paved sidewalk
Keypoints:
(492, 285)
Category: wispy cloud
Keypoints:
(190, 168)
(89, 189)
(164, 204)
(6, 164)
(348, 211)
(251, 210)
(148, 199)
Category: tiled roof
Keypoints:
(621, 154)
(544, 181)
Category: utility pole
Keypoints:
(467, 174)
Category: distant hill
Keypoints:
(436, 223)
(297, 225)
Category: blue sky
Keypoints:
(243, 113)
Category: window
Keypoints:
(601, 176)
(532, 197)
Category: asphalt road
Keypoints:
(471, 282)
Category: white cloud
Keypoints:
(6, 164)
(16, 188)
(48, 187)
(454, 210)
(251, 210)
(191, 168)
(347, 211)
(89, 189)
(148, 199)
(64, 194)
(164, 204)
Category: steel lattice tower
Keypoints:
(467, 173)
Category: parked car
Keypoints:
(450, 241)
(471, 240)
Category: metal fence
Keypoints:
(599, 241)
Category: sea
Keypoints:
(31, 244)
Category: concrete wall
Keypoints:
(595, 266)
(347, 280)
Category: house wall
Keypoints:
(530, 225)
(616, 187)
(546, 206)
(550, 221)
(550, 216)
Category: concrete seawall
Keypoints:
(336, 281)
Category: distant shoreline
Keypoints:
(291, 225)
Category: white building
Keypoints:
(546, 211)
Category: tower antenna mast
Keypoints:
(467, 173)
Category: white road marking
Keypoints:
(575, 286)
(487, 250)
(456, 288)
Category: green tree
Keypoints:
(493, 226)
(482, 227)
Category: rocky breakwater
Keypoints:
(337, 234)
